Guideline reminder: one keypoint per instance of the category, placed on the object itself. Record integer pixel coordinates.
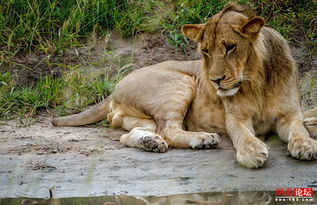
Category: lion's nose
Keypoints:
(217, 80)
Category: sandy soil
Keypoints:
(89, 161)
(37, 136)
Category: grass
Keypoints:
(188, 11)
(54, 25)
(67, 94)
(26, 101)
(51, 27)
(295, 20)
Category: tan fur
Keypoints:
(245, 85)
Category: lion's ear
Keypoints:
(250, 28)
(194, 31)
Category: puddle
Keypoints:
(212, 198)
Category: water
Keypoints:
(221, 198)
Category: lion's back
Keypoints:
(152, 85)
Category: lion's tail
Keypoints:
(310, 113)
(94, 114)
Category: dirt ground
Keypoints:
(99, 54)
(90, 161)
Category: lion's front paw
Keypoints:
(204, 141)
(303, 148)
(153, 143)
(311, 126)
(252, 153)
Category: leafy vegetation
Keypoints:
(53, 26)
(295, 20)
(26, 100)
(69, 93)
(188, 12)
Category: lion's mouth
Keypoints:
(227, 92)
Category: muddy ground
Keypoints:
(90, 161)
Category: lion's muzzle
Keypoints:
(227, 92)
(227, 88)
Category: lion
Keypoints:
(245, 85)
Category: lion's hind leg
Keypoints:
(140, 126)
(142, 135)
(310, 122)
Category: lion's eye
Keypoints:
(205, 51)
(230, 48)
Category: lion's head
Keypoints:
(226, 42)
